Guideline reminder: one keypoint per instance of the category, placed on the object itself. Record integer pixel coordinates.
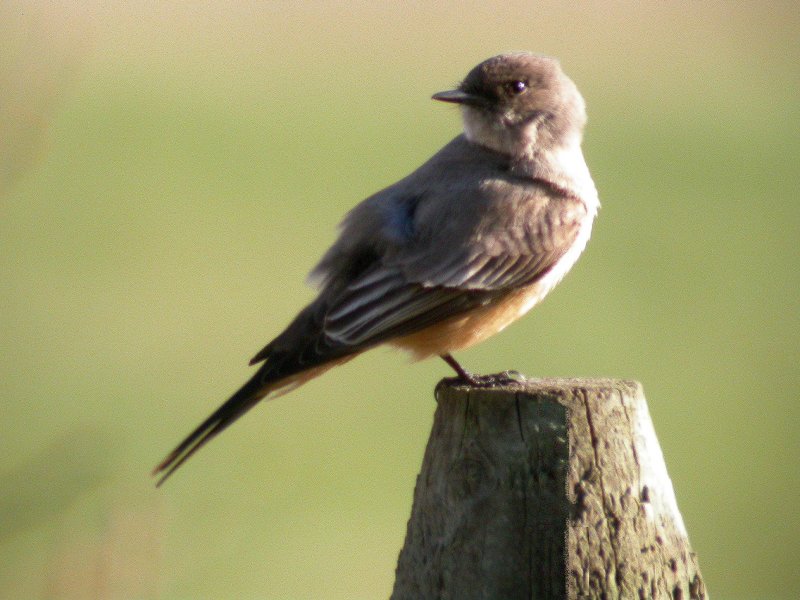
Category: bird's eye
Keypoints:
(516, 87)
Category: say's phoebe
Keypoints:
(453, 253)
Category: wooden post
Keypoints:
(545, 489)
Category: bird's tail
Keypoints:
(238, 404)
(293, 358)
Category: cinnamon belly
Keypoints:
(470, 328)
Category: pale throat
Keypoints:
(562, 163)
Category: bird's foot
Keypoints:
(493, 380)
(482, 381)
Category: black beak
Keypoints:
(459, 97)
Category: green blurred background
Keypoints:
(169, 172)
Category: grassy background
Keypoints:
(169, 174)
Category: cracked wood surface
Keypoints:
(545, 489)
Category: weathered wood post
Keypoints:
(545, 489)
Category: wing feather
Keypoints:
(499, 252)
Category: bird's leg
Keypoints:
(461, 371)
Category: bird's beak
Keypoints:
(458, 97)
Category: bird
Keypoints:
(452, 253)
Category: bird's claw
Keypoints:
(489, 381)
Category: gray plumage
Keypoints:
(404, 252)
(502, 211)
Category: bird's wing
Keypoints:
(385, 304)
(504, 237)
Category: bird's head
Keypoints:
(519, 104)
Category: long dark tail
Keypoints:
(298, 354)
(238, 404)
